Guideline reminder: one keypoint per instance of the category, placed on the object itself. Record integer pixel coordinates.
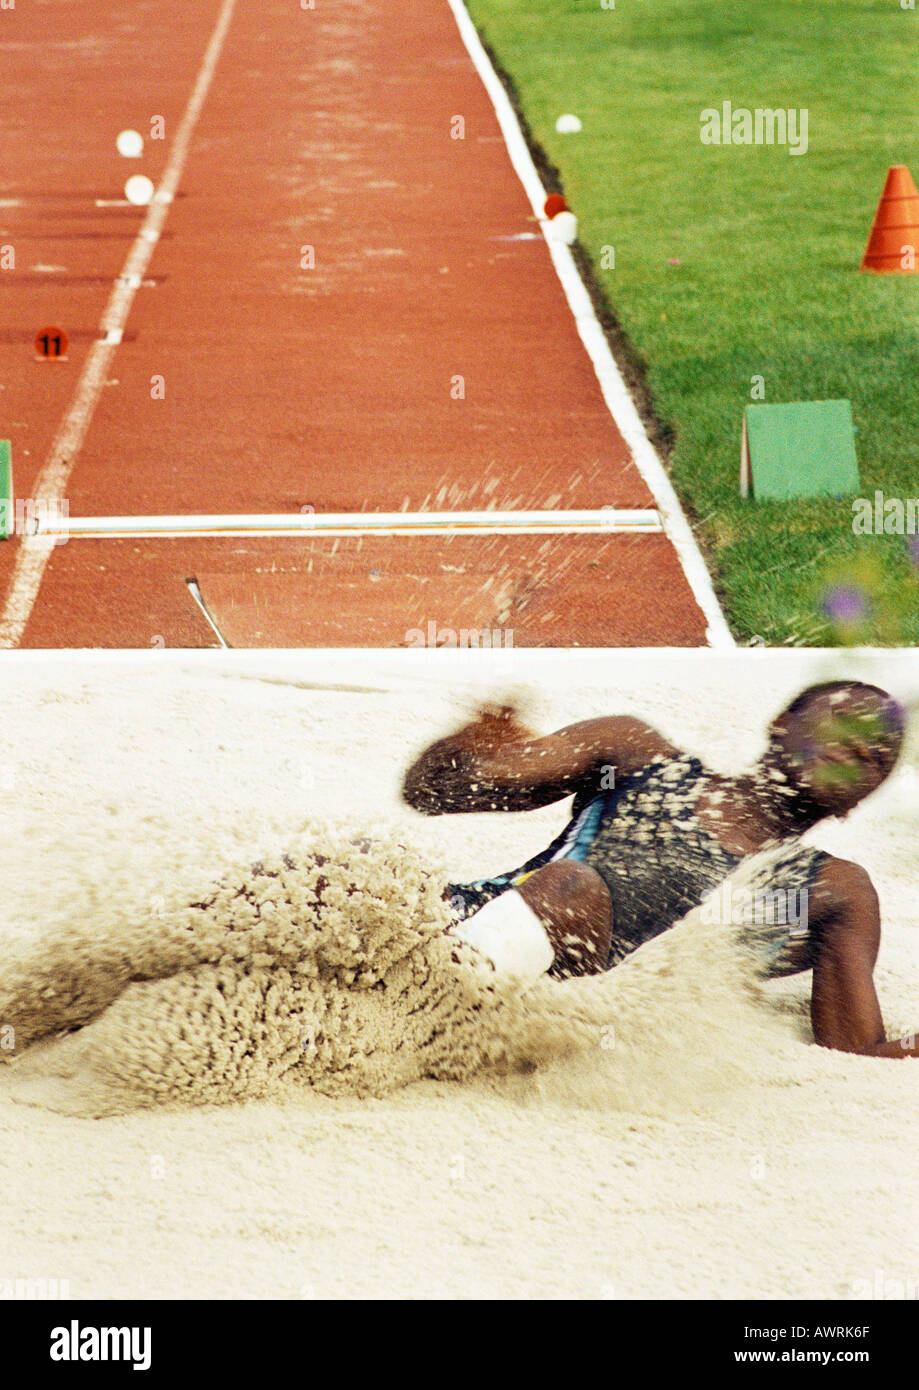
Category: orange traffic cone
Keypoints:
(893, 245)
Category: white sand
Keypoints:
(693, 1143)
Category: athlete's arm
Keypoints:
(845, 1012)
(496, 764)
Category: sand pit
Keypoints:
(256, 1110)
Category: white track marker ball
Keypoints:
(139, 190)
(567, 125)
(564, 227)
(130, 144)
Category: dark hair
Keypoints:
(893, 712)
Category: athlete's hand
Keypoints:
(448, 776)
(494, 726)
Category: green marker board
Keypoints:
(802, 449)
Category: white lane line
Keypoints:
(604, 521)
(51, 484)
(44, 202)
(615, 392)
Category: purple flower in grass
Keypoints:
(845, 604)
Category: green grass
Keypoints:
(769, 246)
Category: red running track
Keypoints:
(334, 386)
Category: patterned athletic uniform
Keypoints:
(659, 861)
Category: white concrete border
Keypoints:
(615, 392)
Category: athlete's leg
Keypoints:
(573, 904)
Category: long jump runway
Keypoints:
(340, 300)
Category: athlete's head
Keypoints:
(835, 743)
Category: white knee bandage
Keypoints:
(509, 933)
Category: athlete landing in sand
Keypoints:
(653, 833)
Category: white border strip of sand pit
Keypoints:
(494, 674)
(615, 392)
(51, 484)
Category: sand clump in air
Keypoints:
(330, 960)
(329, 965)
